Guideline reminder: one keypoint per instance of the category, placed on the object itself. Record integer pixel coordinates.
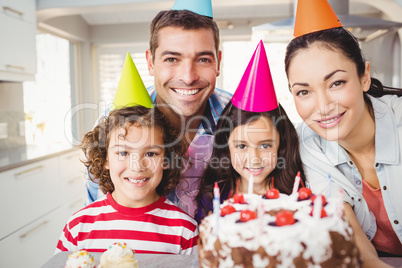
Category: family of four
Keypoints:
(153, 161)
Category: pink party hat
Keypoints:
(256, 92)
(201, 7)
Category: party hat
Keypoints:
(313, 16)
(201, 7)
(131, 90)
(256, 92)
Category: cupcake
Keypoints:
(80, 259)
(118, 255)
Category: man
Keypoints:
(184, 58)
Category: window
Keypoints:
(110, 69)
(47, 100)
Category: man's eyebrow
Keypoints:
(206, 53)
(328, 76)
(169, 52)
(175, 53)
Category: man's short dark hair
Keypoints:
(181, 18)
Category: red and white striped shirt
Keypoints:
(159, 228)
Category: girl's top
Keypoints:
(321, 157)
(385, 239)
(159, 228)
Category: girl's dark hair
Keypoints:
(289, 161)
(95, 145)
(340, 39)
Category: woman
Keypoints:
(352, 132)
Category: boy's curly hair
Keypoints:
(95, 145)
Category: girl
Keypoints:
(263, 144)
(134, 153)
(352, 130)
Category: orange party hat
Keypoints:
(314, 16)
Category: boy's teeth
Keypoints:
(137, 181)
(187, 92)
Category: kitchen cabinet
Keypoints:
(18, 32)
(20, 10)
(37, 200)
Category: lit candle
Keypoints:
(329, 188)
(317, 207)
(296, 183)
(339, 207)
(217, 209)
(260, 217)
(250, 184)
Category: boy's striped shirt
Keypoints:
(158, 228)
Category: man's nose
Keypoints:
(188, 72)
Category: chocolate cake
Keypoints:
(281, 232)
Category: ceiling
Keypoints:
(226, 12)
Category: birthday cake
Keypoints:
(276, 230)
(118, 255)
(80, 259)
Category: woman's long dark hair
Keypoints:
(342, 40)
(289, 161)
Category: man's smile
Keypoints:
(186, 92)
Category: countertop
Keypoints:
(22, 155)
(144, 260)
(164, 260)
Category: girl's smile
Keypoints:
(255, 171)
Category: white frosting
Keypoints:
(80, 259)
(285, 242)
(119, 250)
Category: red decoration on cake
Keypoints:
(324, 200)
(284, 218)
(238, 198)
(304, 193)
(247, 215)
(272, 193)
(227, 210)
(323, 213)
